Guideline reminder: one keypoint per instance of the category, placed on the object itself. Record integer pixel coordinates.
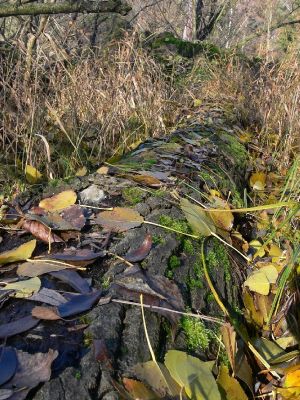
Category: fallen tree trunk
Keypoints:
(192, 161)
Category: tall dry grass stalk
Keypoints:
(86, 109)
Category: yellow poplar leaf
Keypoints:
(276, 253)
(258, 180)
(32, 174)
(260, 281)
(24, 289)
(260, 251)
(232, 388)
(81, 171)
(59, 201)
(251, 311)
(19, 253)
(292, 379)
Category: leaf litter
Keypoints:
(53, 221)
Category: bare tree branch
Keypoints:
(83, 6)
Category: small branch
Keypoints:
(199, 316)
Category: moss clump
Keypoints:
(236, 149)
(158, 239)
(88, 339)
(178, 225)
(217, 258)
(174, 262)
(197, 335)
(105, 282)
(187, 246)
(133, 195)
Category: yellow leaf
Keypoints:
(32, 174)
(59, 202)
(102, 170)
(258, 181)
(222, 220)
(24, 289)
(193, 375)
(256, 245)
(292, 379)
(259, 281)
(19, 253)
(197, 103)
(81, 171)
(232, 388)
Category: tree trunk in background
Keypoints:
(189, 28)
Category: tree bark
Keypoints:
(84, 6)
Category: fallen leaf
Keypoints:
(258, 181)
(81, 171)
(157, 377)
(78, 257)
(119, 220)
(232, 390)
(260, 280)
(6, 394)
(292, 379)
(75, 216)
(8, 363)
(39, 267)
(199, 220)
(32, 174)
(146, 180)
(221, 220)
(32, 370)
(48, 313)
(193, 375)
(48, 296)
(19, 326)
(78, 304)
(229, 340)
(73, 279)
(41, 232)
(102, 170)
(141, 252)
(23, 289)
(138, 390)
(18, 253)
(59, 202)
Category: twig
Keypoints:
(199, 316)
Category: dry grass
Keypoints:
(97, 106)
(86, 111)
(263, 97)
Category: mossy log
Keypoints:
(206, 157)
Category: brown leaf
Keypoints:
(41, 232)
(73, 279)
(32, 370)
(146, 180)
(81, 257)
(141, 252)
(48, 313)
(229, 340)
(75, 216)
(138, 390)
(120, 219)
(78, 304)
